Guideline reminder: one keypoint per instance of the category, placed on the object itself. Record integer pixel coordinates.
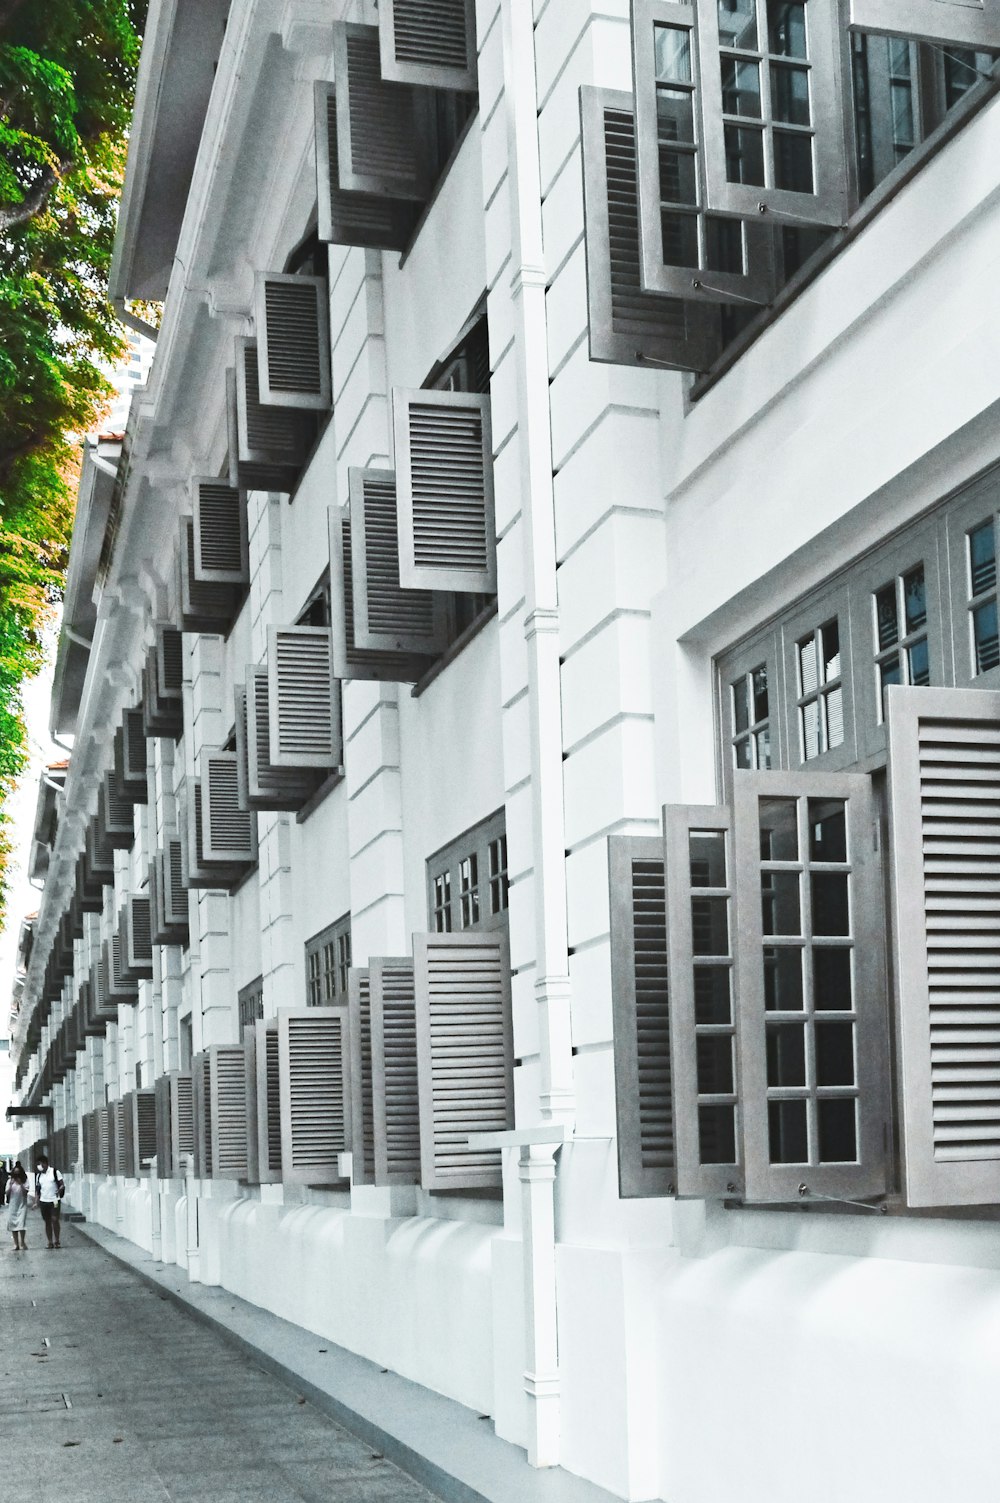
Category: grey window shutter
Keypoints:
(242, 748)
(641, 1012)
(130, 758)
(810, 976)
(444, 491)
(349, 660)
(963, 23)
(105, 1149)
(395, 1097)
(88, 891)
(124, 1147)
(364, 219)
(139, 960)
(387, 617)
(115, 815)
(251, 1104)
(378, 143)
(432, 45)
(181, 1119)
(701, 938)
(204, 607)
(144, 1128)
(627, 325)
(163, 704)
(175, 903)
(169, 648)
(197, 870)
(252, 475)
(465, 1057)
(270, 787)
(267, 1095)
(293, 341)
(271, 440)
(944, 798)
(201, 1084)
(229, 833)
(164, 1162)
(221, 552)
(121, 987)
(314, 1064)
(98, 851)
(303, 698)
(228, 1111)
(362, 1106)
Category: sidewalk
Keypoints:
(442, 1445)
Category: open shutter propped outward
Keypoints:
(164, 1162)
(272, 442)
(396, 1102)
(115, 815)
(197, 870)
(378, 143)
(349, 660)
(130, 758)
(465, 1057)
(944, 796)
(162, 703)
(810, 978)
(303, 698)
(963, 23)
(270, 787)
(444, 491)
(229, 1111)
(204, 606)
(646, 1162)
(314, 1066)
(387, 616)
(293, 341)
(143, 1129)
(139, 959)
(220, 533)
(229, 833)
(363, 219)
(260, 1042)
(181, 1119)
(429, 44)
(362, 1107)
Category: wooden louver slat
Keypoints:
(229, 833)
(378, 143)
(640, 1002)
(315, 1087)
(464, 1054)
(444, 491)
(363, 219)
(221, 553)
(386, 616)
(293, 341)
(362, 1106)
(430, 44)
(303, 698)
(395, 1095)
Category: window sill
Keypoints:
(451, 653)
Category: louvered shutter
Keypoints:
(293, 341)
(201, 1083)
(205, 607)
(250, 1101)
(444, 491)
(758, 163)
(124, 1143)
(433, 45)
(198, 871)
(267, 1097)
(362, 1107)
(139, 961)
(182, 1135)
(221, 552)
(143, 1129)
(387, 617)
(270, 787)
(810, 977)
(228, 1111)
(378, 142)
(175, 903)
(121, 988)
(242, 749)
(963, 23)
(640, 1005)
(628, 326)
(98, 851)
(164, 1161)
(395, 1096)
(465, 1058)
(169, 647)
(349, 660)
(271, 440)
(115, 815)
(363, 219)
(105, 1141)
(303, 698)
(701, 938)
(130, 758)
(163, 704)
(229, 833)
(944, 799)
(314, 1081)
(88, 891)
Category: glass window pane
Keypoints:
(675, 121)
(717, 1134)
(984, 626)
(710, 926)
(810, 730)
(742, 750)
(886, 620)
(827, 830)
(832, 986)
(790, 95)
(724, 252)
(738, 24)
(830, 634)
(783, 978)
(759, 681)
(708, 858)
(915, 599)
(763, 740)
(838, 1134)
(712, 998)
(834, 1054)
(780, 903)
(786, 1054)
(672, 53)
(744, 155)
(714, 1052)
(830, 905)
(779, 831)
(889, 673)
(788, 1132)
(741, 87)
(741, 704)
(918, 662)
(680, 239)
(982, 558)
(786, 28)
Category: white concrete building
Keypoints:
(570, 422)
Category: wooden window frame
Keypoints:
(328, 973)
(445, 864)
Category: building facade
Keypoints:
(525, 893)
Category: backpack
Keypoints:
(60, 1183)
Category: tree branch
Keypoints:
(11, 215)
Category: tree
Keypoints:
(67, 77)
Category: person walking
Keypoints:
(49, 1191)
(17, 1201)
(3, 1180)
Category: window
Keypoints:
(982, 601)
(900, 632)
(251, 1003)
(467, 883)
(328, 960)
(751, 718)
(820, 691)
(186, 1043)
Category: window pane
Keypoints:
(708, 858)
(742, 750)
(679, 233)
(675, 127)
(717, 1134)
(738, 24)
(763, 740)
(724, 250)
(788, 1132)
(712, 1000)
(832, 988)
(672, 53)
(759, 680)
(830, 634)
(810, 730)
(830, 906)
(827, 830)
(982, 558)
(886, 622)
(783, 978)
(834, 1054)
(744, 155)
(710, 926)
(919, 663)
(779, 831)
(786, 27)
(714, 1052)
(780, 903)
(838, 1136)
(741, 704)
(741, 87)
(889, 672)
(786, 1054)
(790, 96)
(915, 599)
(984, 626)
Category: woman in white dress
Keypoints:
(17, 1202)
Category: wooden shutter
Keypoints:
(124, 1142)
(271, 440)
(364, 219)
(387, 617)
(221, 551)
(144, 1140)
(303, 698)
(378, 141)
(963, 23)
(465, 1057)
(229, 833)
(250, 1101)
(810, 976)
(701, 940)
(168, 898)
(201, 1083)
(314, 1074)
(197, 870)
(130, 758)
(267, 1097)
(944, 800)
(121, 988)
(182, 1136)
(444, 491)
(641, 1011)
(105, 1140)
(270, 787)
(169, 647)
(725, 148)
(433, 45)
(253, 475)
(163, 705)
(88, 892)
(139, 959)
(115, 815)
(228, 1111)
(204, 607)
(293, 341)
(627, 325)
(164, 1162)
(99, 853)
(395, 1097)
(362, 1107)
(349, 660)
(242, 748)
